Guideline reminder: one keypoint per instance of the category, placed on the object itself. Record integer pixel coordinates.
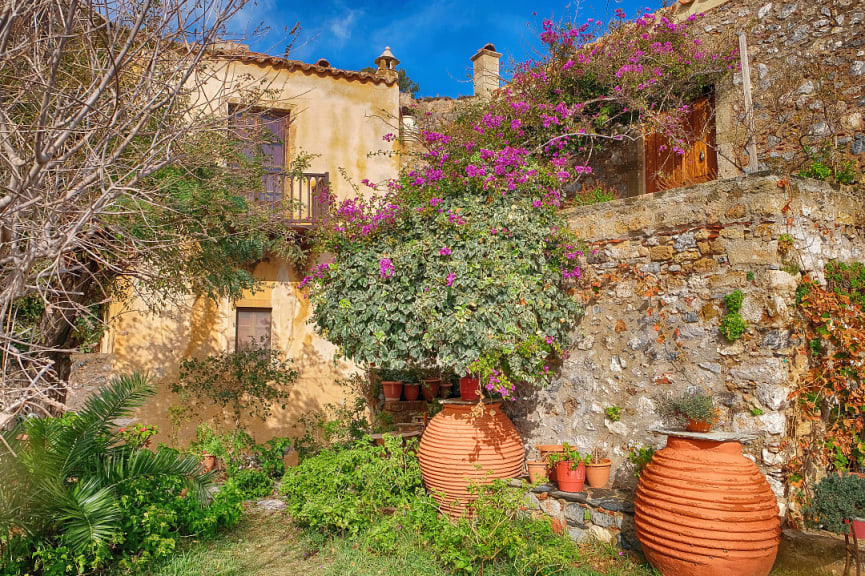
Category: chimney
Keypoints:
(486, 71)
(386, 64)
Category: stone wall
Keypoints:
(657, 268)
(807, 64)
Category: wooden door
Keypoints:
(665, 169)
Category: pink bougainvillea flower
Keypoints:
(450, 279)
(446, 251)
(385, 268)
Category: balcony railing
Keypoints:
(299, 198)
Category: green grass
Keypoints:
(268, 544)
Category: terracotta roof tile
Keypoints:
(260, 59)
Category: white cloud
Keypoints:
(341, 27)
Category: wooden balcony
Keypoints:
(298, 198)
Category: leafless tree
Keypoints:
(96, 97)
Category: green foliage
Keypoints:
(344, 490)
(690, 405)
(446, 309)
(640, 456)
(569, 455)
(734, 300)
(248, 381)
(74, 496)
(837, 498)
(847, 280)
(825, 165)
(239, 451)
(375, 495)
(785, 242)
(733, 326)
(757, 412)
(613, 413)
(750, 276)
(138, 435)
(253, 482)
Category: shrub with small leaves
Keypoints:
(733, 326)
(837, 498)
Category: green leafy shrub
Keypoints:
(74, 497)
(344, 490)
(249, 381)
(613, 413)
(253, 483)
(837, 498)
(847, 280)
(733, 326)
(640, 456)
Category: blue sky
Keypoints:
(433, 39)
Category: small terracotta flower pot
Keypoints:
(430, 388)
(858, 528)
(208, 463)
(392, 390)
(545, 449)
(598, 473)
(411, 391)
(571, 480)
(469, 388)
(698, 426)
(537, 471)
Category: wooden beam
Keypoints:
(753, 165)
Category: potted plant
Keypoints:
(598, 468)
(546, 450)
(470, 388)
(431, 383)
(570, 469)
(695, 410)
(838, 503)
(537, 471)
(411, 386)
(391, 383)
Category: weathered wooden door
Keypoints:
(666, 169)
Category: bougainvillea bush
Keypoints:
(465, 261)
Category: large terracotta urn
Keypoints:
(467, 443)
(703, 509)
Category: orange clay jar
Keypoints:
(703, 509)
(464, 443)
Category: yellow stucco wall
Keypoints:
(339, 119)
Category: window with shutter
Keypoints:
(253, 328)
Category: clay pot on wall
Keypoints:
(858, 528)
(545, 449)
(411, 391)
(469, 388)
(698, 426)
(598, 473)
(464, 444)
(537, 471)
(208, 463)
(703, 509)
(569, 479)
(430, 388)
(392, 390)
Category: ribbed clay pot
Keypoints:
(467, 443)
(703, 509)
(537, 471)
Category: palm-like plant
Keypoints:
(60, 475)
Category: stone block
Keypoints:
(605, 520)
(769, 371)
(735, 212)
(659, 253)
(705, 265)
(576, 515)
